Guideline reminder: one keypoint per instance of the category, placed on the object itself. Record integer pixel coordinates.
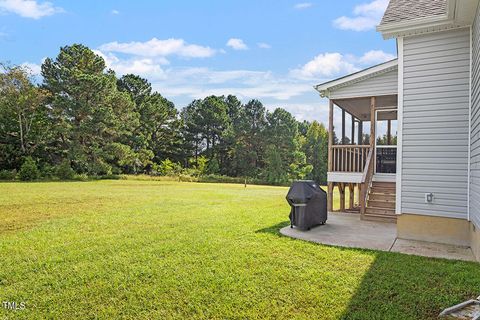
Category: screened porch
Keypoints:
(362, 134)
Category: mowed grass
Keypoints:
(167, 250)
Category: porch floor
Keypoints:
(347, 230)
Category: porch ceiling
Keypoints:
(360, 107)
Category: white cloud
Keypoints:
(375, 57)
(263, 45)
(304, 111)
(366, 16)
(321, 67)
(325, 65)
(376, 7)
(237, 44)
(34, 68)
(145, 67)
(198, 82)
(29, 8)
(159, 48)
(208, 76)
(328, 65)
(115, 12)
(272, 90)
(303, 5)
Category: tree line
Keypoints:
(81, 119)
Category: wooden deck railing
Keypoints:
(366, 180)
(349, 158)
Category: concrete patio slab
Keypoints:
(347, 230)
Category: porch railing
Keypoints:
(349, 158)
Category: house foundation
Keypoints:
(433, 229)
(475, 240)
(451, 231)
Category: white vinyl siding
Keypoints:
(475, 133)
(436, 90)
(380, 85)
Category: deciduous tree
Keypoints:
(24, 125)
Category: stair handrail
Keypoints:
(366, 180)
(367, 168)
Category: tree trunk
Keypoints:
(22, 142)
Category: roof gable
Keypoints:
(326, 88)
(413, 17)
(405, 10)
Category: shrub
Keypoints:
(213, 167)
(275, 172)
(99, 168)
(109, 177)
(81, 177)
(64, 171)
(156, 171)
(187, 178)
(47, 171)
(8, 174)
(221, 179)
(212, 178)
(166, 168)
(28, 170)
(190, 172)
(201, 165)
(116, 170)
(144, 177)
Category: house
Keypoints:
(410, 135)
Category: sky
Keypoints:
(271, 50)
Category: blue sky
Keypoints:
(274, 51)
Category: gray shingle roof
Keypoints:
(402, 10)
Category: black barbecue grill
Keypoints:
(308, 204)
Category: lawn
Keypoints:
(163, 250)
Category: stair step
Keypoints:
(379, 218)
(382, 190)
(382, 197)
(381, 211)
(381, 204)
(385, 193)
(384, 184)
(389, 185)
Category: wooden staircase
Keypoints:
(380, 204)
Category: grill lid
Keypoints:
(302, 191)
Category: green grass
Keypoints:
(163, 250)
